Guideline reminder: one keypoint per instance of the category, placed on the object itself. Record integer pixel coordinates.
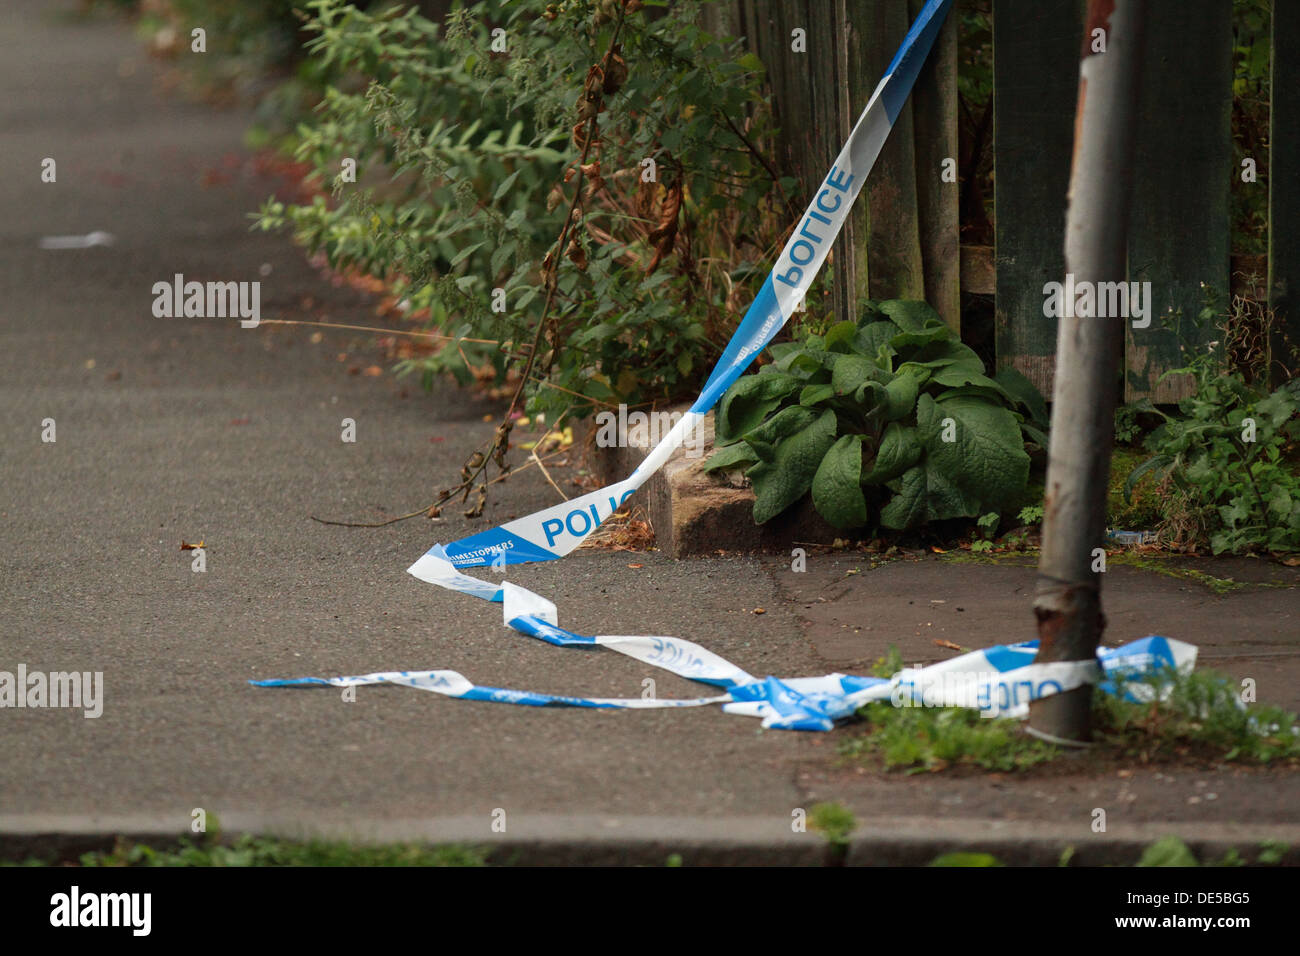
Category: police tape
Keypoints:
(553, 532)
(999, 681)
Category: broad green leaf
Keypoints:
(868, 312)
(788, 421)
(840, 337)
(812, 369)
(948, 352)
(925, 494)
(751, 399)
(900, 396)
(904, 340)
(813, 394)
(872, 398)
(731, 457)
(836, 488)
(787, 478)
(1027, 394)
(899, 450)
(870, 338)
(782, 351)
(992, 395)
(986, 458)
(1034, 435)
(1167, 851)
(957, 376)
(910, 315)
(852, 371)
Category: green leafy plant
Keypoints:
(1127, 426)
(1231, 455)
(833, 821)
(919, 739)
(1168, 851)
(988, 523)
(890, 418)
(1031, 514)
(471, 169)
(573, 194)
(1199, 713)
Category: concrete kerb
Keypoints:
(556, 840)
(693, 512)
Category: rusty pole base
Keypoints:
(1063, 719)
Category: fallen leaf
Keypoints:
(937, 550)
(759, 610)
(940, 642)
(372, 371)
(186, 546)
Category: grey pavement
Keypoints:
(151, 450)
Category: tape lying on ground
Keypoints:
(1000, 681)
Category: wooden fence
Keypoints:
(903, 240)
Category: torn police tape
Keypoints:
(1000, 681)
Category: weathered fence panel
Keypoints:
(1180, 230)
(901, 241)
(1035, 85)
(939, 202)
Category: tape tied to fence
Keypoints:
(1000, 681)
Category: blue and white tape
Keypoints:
(1000, 681)
(554, 532)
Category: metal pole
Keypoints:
(1088, 349)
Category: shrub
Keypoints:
(890, 418)
(1229, 462)
(590, 202)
